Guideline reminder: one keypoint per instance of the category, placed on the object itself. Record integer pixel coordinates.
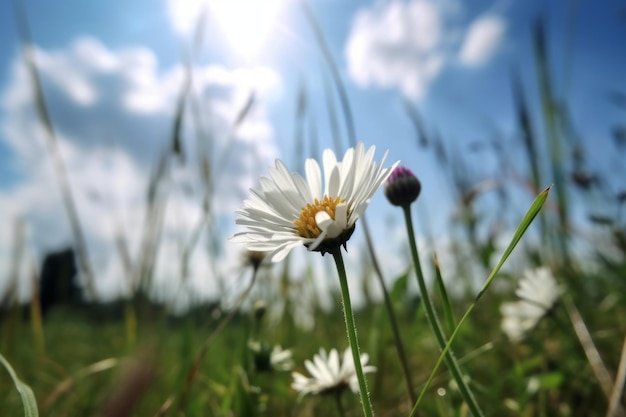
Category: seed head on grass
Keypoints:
(290, 210)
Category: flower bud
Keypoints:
(402, 187)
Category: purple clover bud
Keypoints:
(402, 187)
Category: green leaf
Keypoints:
(448, 314)
(398, 292)
(28, 398)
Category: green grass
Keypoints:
(80, 362)
(226, 383)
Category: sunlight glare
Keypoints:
(245, 24)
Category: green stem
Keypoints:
(192, 371)
(392, 316)
(340, 409)
(351, 330)
(431, 315)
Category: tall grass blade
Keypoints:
(300, 116)
(55, 152)
(193, 369)
(596, 363)
(617, 396)
(70, 381)
(332, 116)
(521, 229)
(448, 313)
(418, 123)
(334, 70)
(551, 119)
(36, 320)
(26, 394)
(177, 144)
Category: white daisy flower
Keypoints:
(289, 211)
(538, 291)
(278, 359)
(539, 288)
(329, 374)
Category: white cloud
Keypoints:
(407, 44)
(113, 113)
(399, 45)
(482, 40)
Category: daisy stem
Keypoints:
(395, 330)
(351, 330)
(342, 413)
(431, 315)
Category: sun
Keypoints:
(245, 24)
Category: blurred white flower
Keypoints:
(278, 359)
(539, 287)
(538, 291)
(329, 373)
(290, 211)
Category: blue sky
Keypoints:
(112, 72)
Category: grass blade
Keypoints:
(28, 398)
(521, 229)
(55, 151)
(448, 313)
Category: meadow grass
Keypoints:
(546, 375)
(144, 361)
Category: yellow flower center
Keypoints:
(306, 224)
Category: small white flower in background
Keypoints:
(290, 211)
(280, 359)
(538, 291)
(539, 287)
(330, 373)
(265, 360)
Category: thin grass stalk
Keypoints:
(334, 70)
(224, 157)
(211, 178)
(448, 313)
(433, 320)
(340, 409)
(66, 385)
(521, 229)
(465, 359)
(299, 119)
(591, 351)
(395, 330)
(55, 152)
(529, 141)
(12, 323)
(416, 120)
(332, 115)
(36, 319)
(366, 402)
(617, 396)
(314, 148)
(153, 227)
(551, 115)
(193, 370)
